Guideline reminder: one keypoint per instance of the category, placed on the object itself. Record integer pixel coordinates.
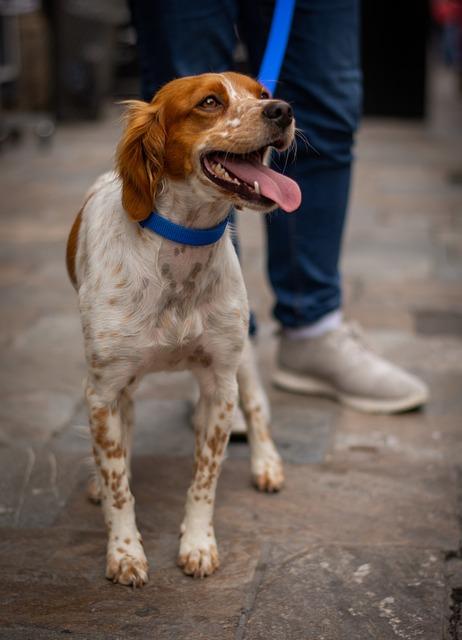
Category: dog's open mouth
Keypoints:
(247, 176)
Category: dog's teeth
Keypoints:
(219, 170)
(256, 186)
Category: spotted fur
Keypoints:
(148, 304)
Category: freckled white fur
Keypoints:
(235, 122)
(148, 304)
(233, 91)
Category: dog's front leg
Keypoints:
(198, 554)
(126, 562)
(126, 409)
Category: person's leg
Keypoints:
(318, 352)
(181, 38)
(321, 78)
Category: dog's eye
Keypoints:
(210, 103)
(264, 95)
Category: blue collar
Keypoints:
(183, 235)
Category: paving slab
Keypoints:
(332, 555)
(36, 483)
(376, 502)
(435, 322)
(361, 592)
(55, 586)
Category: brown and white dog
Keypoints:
(149, 304)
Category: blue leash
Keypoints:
(276, 46)
(270, 69)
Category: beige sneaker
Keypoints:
(340, 365)
(239, 428)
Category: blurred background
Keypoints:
(64, 60)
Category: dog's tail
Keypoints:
(71, 249)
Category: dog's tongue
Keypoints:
(273, 185)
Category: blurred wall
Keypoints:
(394, 57)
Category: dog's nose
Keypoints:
(279, 113)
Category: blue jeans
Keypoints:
(321, 78)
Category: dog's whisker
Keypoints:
(299, 134)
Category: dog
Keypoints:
(150, 304)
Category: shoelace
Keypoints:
(352, 334)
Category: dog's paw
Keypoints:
(127, 569)
(94, 490)
(268, 474)
(200, 558)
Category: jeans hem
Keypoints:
(296, 319)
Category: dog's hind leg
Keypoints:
(198, 555)
(128, 416)
(265, 462)
(126, 561)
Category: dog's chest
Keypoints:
(185, 267)
(189, 280)
(161, 306)
(184, 302)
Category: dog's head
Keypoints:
(212, 131)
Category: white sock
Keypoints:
(329, 322)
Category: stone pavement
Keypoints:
(363, 543)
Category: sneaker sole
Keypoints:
(313, 386)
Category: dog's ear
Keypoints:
(140, 158)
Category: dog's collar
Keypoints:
(183, 235)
